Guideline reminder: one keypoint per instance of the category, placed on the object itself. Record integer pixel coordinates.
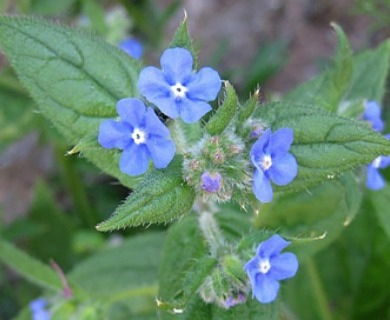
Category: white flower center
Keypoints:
(266, 162)
(377, 162)
(264, 266)
(138, 136)
(178, 90)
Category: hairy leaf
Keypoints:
(161, 197)
(75, 77)
(328, 89)
(325, 145)
(225, 113)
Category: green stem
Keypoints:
(318, 290)
(148, 291)
(76, 188)
(211, 232)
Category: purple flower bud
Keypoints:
(232, 300)
(211, 182)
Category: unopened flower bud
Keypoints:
(211, 182)
(218, 157)
(234, 300)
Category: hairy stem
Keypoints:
(211, 232)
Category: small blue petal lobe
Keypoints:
(374, 180)
(204, 85)
(176, 64)
(265, 288)
(134, 160)
(281, 140)
(272, 246)
(283, 170)
(283, 266)
(114, 134)
(191, 111)
(262, 186)
(161, 151)
(131, 111)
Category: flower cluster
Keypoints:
(177, 91)
(268, 267)
(373, 115)
(217, 168)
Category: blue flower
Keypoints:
(375, 181)
(268, 267)
(132, 47)
(140, 134)
(211, 182)
(272, 161)
(38, 310)
(176, 90)
(372, 114)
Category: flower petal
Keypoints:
(131, 111)
(373, 115)
(153, 85)
(114, 134)
(161, 151)
(154, 126)
(257, 151)
(203, 85)
(280, 141)
(385, 162)
(252, 266)
(375, 180)
(283, 170)
(191, 111)
(262, 186)
(271, 246)
(283, 266)
(134, 160)
(132, 47)
(265, 289)
(176, 64)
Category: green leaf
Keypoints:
(325, 145)
(28, 267)
(225, 113)
(75, 77)
(370, 70)
(248, 108)
(319, 214)
(328, 89)
(16, 111)
(55, 229)
(183, 39)
(381, 203)
(123, 272)
(183, 248)
(161, 197)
